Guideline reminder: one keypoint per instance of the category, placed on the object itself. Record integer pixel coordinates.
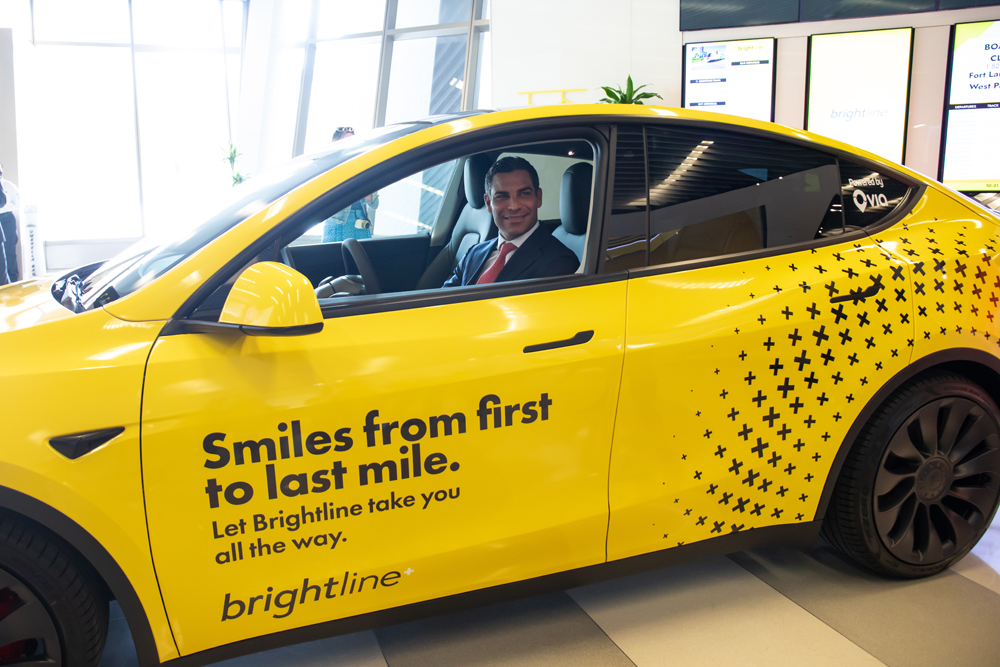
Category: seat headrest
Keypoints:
(476, 167)
(574, 197)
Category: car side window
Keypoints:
(407, 207)
(869, 195)
(627, 227)
(715, 193)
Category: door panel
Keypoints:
(519, 492)
(739, 385)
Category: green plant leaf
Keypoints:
(630, 95)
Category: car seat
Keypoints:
(475, 224)
(574, 206)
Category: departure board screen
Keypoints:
(972, 118)
(862, 106)
(735, 77)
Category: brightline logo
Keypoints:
(851, 114)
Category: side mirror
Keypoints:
(271, 299)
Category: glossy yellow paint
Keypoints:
(71, 373)
(953, 267)
(269, 294)
(740, 383)
(507, 503)
(28, 303)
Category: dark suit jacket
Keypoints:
(540, 256)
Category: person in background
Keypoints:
(9, 203)
(357, 220)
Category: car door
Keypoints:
(419, 446)
(744, 366)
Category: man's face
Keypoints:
(513, 203)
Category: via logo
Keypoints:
(863, 201)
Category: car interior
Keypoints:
(426, 222)
(445, 212)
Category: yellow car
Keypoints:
(249, 436)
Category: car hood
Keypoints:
(28, 303)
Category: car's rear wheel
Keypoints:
(921, 484)
(52, 611)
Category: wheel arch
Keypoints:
(93, 554)
(979, 366)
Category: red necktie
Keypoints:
(490, 274)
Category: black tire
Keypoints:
(921, 484)
(52, 609)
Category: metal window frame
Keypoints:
(473, 28)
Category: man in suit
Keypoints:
(524, 248)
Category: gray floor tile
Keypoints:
(548, 630)
(983, 564)
(356, 650)
(713, 612)
(942, 620)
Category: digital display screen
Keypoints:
(858, 87)
(972, 118)
(731, 77)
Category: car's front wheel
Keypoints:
(52, 611)
(921, 484)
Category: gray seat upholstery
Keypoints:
(475, 224)
(574, 207)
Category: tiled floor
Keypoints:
(770, 607)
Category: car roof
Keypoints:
(472, 120)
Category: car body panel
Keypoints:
(730, 415)
(956, 281)
(28, 303)
(70, 375)
(527, 499)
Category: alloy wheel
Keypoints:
(27, 634)
(938, 481)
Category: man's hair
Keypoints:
(507, 165)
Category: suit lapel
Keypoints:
(479, 254)
(526, 255)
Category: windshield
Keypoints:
(150, 258)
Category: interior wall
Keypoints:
(927, 73)
(585, 44)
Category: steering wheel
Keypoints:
(356, 255)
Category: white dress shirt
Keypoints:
(517, 244)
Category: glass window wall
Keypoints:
(141, 97)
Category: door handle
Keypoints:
(579, 339)
(859, 294)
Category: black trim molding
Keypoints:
(180, 327)
(75, 445)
